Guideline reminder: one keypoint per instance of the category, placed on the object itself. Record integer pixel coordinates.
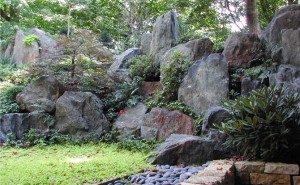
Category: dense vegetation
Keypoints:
(264, 125)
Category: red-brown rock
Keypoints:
(160, 123)
(241, 50)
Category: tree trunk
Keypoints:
(69, 21)
(252, 16)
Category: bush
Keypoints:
(265, 125)
(133, 143)
(8, 99)
(144, 67)
(173, 74)
(30, 39)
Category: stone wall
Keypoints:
(246, 172)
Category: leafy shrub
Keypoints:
(173, 74)
(134, 143)
(36, 137)
(145, 67)
(30, 39)
(8, 99)
(265, 125)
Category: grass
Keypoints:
(68, 164)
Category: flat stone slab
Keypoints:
(219, 172)
(269, 179)
(282, 168)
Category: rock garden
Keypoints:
(167, 111)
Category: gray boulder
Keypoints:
(119, 71)
(49, 48)
(80, 114)
(130, 122)
(288, 76)
(214, 115)
(160, 123)
(9, 50)
(242, 49)
(40, 95)
(194, 50)
(22, 53)
(184, 149)
(291, 46)
(248, 85)
(206, 83)
(285, 18)
(164, 35)
(20, 123)
(146, 43)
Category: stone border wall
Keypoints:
(226, 172)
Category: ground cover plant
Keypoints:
(68, 164)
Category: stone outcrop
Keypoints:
(130, 122)
(214, 115)
(242, 49)
(185, 149)
(160, 123)
(80, 114)
(206, 83)
(20, 123)
(248, 85)
(194, 50)
(40, 95)
(291, 46)
(285, 18)
(119, 71)
(164, 35)
(282, 168)
(9, 50)
(49, 48)
(287, 75)
(146, 43)
(22, 53)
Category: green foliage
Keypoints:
(30, 39)
(126, 94)
(41, 138)
(68, 164)
(133, 143)
(8, 99)
(144, 67)
(265, 125)
(173, 74)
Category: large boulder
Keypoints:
(206, 83)
(49, 48)
(184, 149)
(291, 46)
(288, 76)
(285, 18)
(214, 115)
(9, 50)
(40, 95)
(119, 71)
(20, 123)
(130, 122)
(80, 114)
(164, 35)
(146, 43)
(22, 53)
(242, 49)
(194, 50)
(160, 123)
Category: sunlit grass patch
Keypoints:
(68, 164)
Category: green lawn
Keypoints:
(67, 164)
